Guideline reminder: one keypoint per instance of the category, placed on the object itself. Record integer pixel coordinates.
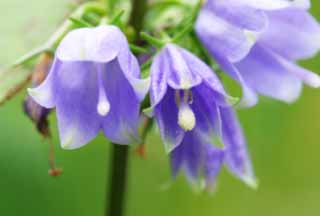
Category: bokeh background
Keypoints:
(284, 142)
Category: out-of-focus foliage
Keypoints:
(284, 143)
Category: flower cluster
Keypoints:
(95, 83)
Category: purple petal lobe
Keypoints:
(120, 125)
(214, 159)
(239, 14)
(100, 44)
(275, 4)
(237, 158)
(76, 99)
(131, 69)
(206, 111)
(180, 75)
(286, 23)
(166, 114)
(221, 37)
(265, 73)
(249, 97)
(209, 78)
(44, 94)
(159, 73)
(188, 156)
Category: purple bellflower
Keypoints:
(94, 84)
(271, 36)
(192, 108)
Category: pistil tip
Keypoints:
(186, 118)
(103, 108)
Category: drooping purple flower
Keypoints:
(190, 106)
(268, 66)
(94, 84)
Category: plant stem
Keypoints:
(118, 176)
(137, 15)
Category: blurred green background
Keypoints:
(284, 144)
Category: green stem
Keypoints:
(137, 14)
(152, 40)
(110, 6)
(118, 176)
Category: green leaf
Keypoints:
(12, 81)
(80, 22)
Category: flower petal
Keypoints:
(99, 44)
(44, 94)
(188, 156)
(208, 76)
(275, 4)
(207, 113)
(120, 125)
(214, 159)
(264, 73)
(237, 158)
(180, 75)
(159, 72)
(76, 99)
(249, 97)
(286, 23)
(131, 69)
(239, 14)
(223, 38)
(166, 114)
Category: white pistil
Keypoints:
(186, 117)
(103, 106)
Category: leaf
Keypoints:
(12, 81)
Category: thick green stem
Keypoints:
(110, 6)
(117, 183)
(137, 14)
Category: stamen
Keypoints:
(177, 97)
(186, 117)
(188, 97)
(185, 96)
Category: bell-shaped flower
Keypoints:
(269, 67)
(94, 84)
(189, 102)
(199, 157)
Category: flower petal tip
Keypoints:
(232, 100)
(148, 112)
(249, 99)
(142, 87)
(41, 97)
(252, 182)
(169, 146)
(315, 82)
(68, 140)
